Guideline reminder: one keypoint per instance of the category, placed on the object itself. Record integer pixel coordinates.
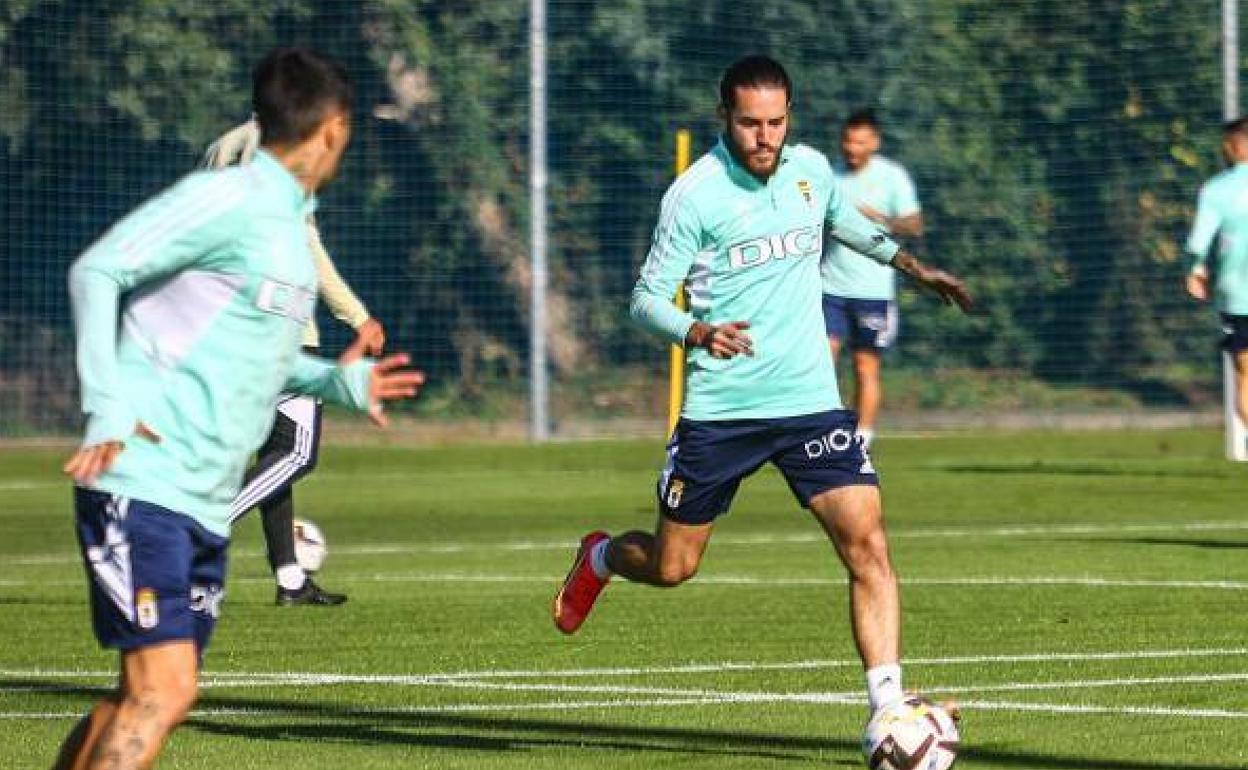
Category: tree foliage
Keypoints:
(1057, 149)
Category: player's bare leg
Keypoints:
(835, 345)
(854, 520)
(76, 749)
(158, 687)
(1241, 384)
(666, 558)
(868, 393)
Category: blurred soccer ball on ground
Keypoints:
(911, 734)
(310, 545)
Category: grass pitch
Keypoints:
(1084, 595)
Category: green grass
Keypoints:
(1067, 546)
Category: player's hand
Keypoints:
(389, 381)
(727, 340)
(949, 288)
(1198, 286)
(89, 462)
(370, 338)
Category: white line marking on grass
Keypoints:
(727, 699)
(452, 547)
(994, 581)
(241, 678)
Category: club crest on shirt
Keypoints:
(145, 612)
(803, 186)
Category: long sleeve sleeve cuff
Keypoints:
(115, 425)
(660, 316)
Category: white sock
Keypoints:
(290, 576)
(598, 559)
(867, 435)
(884, 685)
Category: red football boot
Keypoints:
(580, 588)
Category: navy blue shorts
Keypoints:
(706, 460)
(1235, 333)
(155, 575)
(867, 324)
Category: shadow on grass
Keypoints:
(1043, 468)
(308, 722)
(1187, 542)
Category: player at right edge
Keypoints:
(744, 227)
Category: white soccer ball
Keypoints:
(911, 734)
(310, 545)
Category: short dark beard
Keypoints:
(739, 157)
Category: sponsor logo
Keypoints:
(145, 613)
(283, 299)
(674, 490)
(799, 242)
(207, 599)
(835, 442)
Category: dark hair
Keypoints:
(293, 89)
(864, 118)
(1237, 126)
(756, 71)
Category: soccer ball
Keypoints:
(912, 734)
(310, 545)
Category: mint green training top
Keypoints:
(749, 251)
(1222, 212)
(215, 282)
(886, 187)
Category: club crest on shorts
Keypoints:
(674, 491)
(145, 613)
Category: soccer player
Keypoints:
(744, 227)
(179, 384)
(1222, 211)
(291, 449)
(859, 293)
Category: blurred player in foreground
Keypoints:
(179, 391)
(293, 445)
(859, 293)
(744, 227)
(1222, 212)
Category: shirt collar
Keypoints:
(739, 174)
(268, 165)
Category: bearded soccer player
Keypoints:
(179, 382)
(744, 227)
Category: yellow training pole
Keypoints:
(676, 356)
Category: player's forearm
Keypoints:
(94, 297)
(346, 385)
(905, 262)
(908, 226)
(658, 315)
(338, 296)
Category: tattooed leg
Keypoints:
(80, 743)
(158, 689)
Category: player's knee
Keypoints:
(867, 556)
(167, 702)
(179, 694)
(676, 571)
